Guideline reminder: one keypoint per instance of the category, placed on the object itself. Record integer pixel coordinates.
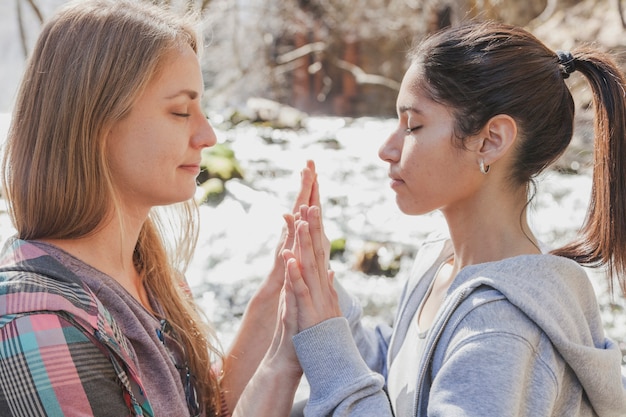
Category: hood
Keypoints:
(557, 295)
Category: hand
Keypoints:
(308, 274)
(308, 195)
(281, 354)
(261, 319)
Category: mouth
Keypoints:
(192, 168)
(395, 181)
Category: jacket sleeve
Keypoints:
(48, 368)
(341, 383)
(372, 344)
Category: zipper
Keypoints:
(431, 348)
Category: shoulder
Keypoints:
(41, 332)
(491, 330)
(45, 351)
(541, 286)
(33, 285)
(488, 312)
(31, 280)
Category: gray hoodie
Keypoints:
(517, 337)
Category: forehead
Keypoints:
(412, 94)
(175, 78)
(179, 68)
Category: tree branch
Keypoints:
(301, 52)
(20, 22)
(362, 77)
(35, 8)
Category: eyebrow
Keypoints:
(404, 109)
(189, 93)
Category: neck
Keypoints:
(110, 250)
(490, 232)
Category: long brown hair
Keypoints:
(482, 69)
(91, 61)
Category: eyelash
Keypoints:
(182, 114)
(410, 130)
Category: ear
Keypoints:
(496, 138)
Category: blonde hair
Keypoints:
(90, 63)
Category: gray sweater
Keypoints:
(517, 337)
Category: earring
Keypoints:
(484, 168)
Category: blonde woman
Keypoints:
(95, 316)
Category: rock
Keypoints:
(214, 192)
(275, 114)
(374, 259)
(219, 162)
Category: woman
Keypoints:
(95, 315)
(489, 323)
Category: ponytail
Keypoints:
(602, 239)
(477, 70)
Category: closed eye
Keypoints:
(410, 130)
(182, 114)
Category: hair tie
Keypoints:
(566, 60)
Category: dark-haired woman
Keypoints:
(490, 323)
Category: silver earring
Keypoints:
(484, 168)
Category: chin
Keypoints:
(180, 198)
(410, 210)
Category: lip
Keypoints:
(192, 168)
(395, 181)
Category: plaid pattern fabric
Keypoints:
(54, 334)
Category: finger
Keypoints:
(306, 312)
(307, 179)
(287, 254)
(334, 298)
(310, 164)
(314, 184)
(314, 199)
(303, 213)
(289, 309)
(290, 231)
(305, 252)
(317, 241)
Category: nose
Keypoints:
(390, 150)
(204, 135)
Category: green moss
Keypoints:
(337, 247)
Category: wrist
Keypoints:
(258, 398)
(277, 371)
(265, 298)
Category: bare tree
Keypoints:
(20, 20)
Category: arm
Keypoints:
(49, 367)
(340, 380)
(259, 320)
(272, 388)
(373, 344)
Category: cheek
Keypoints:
(427, 166)
(415, 158)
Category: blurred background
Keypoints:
(335, 57)
(291, 80)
